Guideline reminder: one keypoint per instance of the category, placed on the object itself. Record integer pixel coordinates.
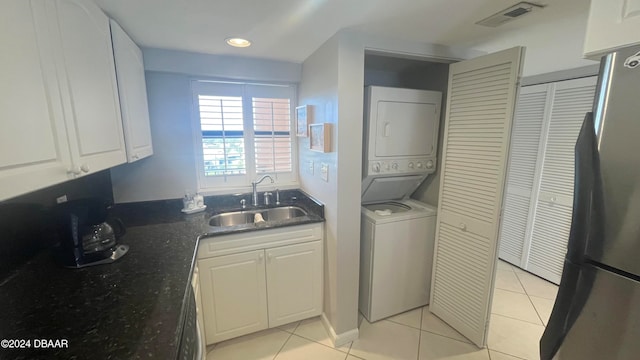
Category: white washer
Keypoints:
(396, 254)
(397, 234)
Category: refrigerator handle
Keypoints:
(586, 184)
(574, 285)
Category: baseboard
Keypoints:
(339, 339)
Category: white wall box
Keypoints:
(259, 280)
(612, 24)
(133, 94)
(58, 96)
(480, 107)
(539, 199)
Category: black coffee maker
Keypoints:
(85, 236)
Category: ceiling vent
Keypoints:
(511, 13)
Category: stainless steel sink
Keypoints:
(283, 213)
(231, 219)
(247, 216)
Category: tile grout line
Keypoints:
(319, 343)
(420, 335)
(447, 337)
(286, 341)
(435, 333)
(349, 351)
(398, 323)
(512, 318)
(532, 304)
(504, 353)
(515, 292)
(515, 318)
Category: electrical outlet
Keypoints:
(61, 199)
(324, 172)
(310, 167)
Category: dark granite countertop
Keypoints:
(131, 308)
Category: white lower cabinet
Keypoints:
(270, 279)
(234, 293)
(294, 282)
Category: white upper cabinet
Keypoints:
(612, 24)
(58, 95)
(133, 94)
(86, 70)
(34, 151)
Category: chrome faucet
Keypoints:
(254, 185)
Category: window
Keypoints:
(244, 131)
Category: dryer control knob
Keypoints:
(394, 166)
(430, 164)
(420, 165)
(376, 167)
(411, 165)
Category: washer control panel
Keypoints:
(401, 166)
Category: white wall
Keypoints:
(171, 171)
(550, 46)
(319, 89)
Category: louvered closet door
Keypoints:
(552, 219)
(482, 94)
(528, 124)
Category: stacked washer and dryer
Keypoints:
(397, 233)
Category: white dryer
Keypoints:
(397, 233)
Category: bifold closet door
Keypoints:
(480, 105)
(528, 126)
(572, 99)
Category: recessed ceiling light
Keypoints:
(238, 42)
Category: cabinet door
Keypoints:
(480, 107)
(234, 295)
(294, 282)
(612, 24)
(87, 72)
(524, 155)
(572, 99)
(133, 94)
(34, 151)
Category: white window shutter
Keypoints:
(552, 220)
(528, 124)
(480, 108)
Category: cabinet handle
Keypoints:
(269, 256)
(135, 156)
(260, 257)
(463, 226)
(84, 168)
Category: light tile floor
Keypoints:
(522, 304)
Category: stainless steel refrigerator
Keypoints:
(597, 311)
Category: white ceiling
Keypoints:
(292, 29)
